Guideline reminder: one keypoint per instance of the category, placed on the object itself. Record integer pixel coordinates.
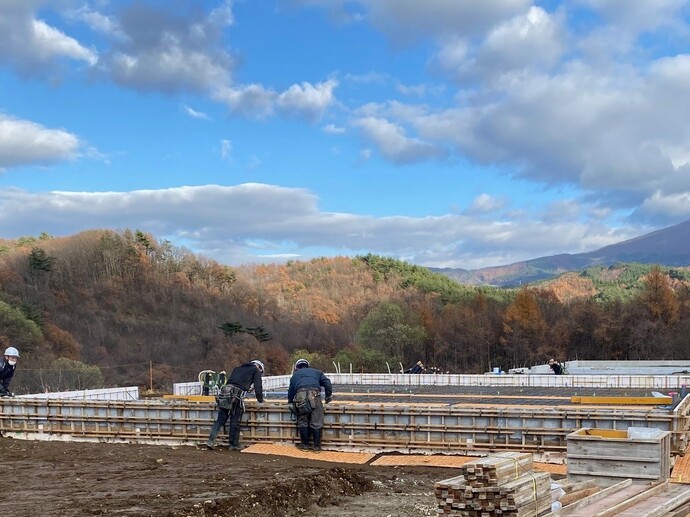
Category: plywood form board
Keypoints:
(294, 452)
(607, 454)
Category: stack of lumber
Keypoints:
(503, 484)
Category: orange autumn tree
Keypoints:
(524, 330)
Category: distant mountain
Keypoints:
(668, 247)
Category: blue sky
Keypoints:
(447, 133)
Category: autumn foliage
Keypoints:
(146, 312)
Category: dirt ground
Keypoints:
(75, 479)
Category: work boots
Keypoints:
(316, 434)
(303, 438)
(235, 439)
(212, 436)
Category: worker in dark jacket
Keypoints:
(556, 367)
(304, 394)
(230, 401)
(7, 366)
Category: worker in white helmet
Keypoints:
(7, 367)
(304, 393)
(231, 401)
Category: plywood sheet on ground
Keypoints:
(552, 468)
(681, 470)
(420, 460)
(293, 452)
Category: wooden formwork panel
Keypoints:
(360, 426)
(607, 455)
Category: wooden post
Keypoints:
(151, 375)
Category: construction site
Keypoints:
(605, 439)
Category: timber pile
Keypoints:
(503, 484)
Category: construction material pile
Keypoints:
(502, 484)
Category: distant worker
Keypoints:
(304, 394)
(7, 366)
(556, 367)
(231, 401)
(418, 367)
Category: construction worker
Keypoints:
(230, 401)
(7, 366)
(304, 394)
(556, 367)
(418, 367)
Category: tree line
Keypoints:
(119, 301)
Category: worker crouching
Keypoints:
(304, 394)
(231, 401)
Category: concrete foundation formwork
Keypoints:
(406, 416)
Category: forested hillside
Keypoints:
(122, 308)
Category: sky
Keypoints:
(446, 133)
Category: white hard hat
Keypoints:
(300, 363)
(11, 351)
(258, 364)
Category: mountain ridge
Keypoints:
(668, 246)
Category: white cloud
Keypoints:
(332, 129)
(408, 19)
(303, 100)
(162, 51)
(237, 224)
(30, 44)
(23, 142)
(307, 100)
(225, 149)
(194, 113)
(485, 204)
(638, 15)
(168, 69)
(393, 144)
(668, 205)
(247, 100)
(96, 21)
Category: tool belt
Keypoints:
(230, 396)
(305, 400)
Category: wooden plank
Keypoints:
(576, 495)
(614, 468)
(660, 504)
(597, 433)
(570, 509)
(618, 401)
(620, 449)
(571, 486)
(632, 501)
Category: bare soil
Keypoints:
(76, 479)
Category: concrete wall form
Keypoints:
(127, 393)
(657, 382)
(349, 426)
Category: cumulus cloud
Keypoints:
(307, 101)
(485, 204)
(394, 144)
(529, 40)
(23, 142)
(30, 44)
(162, 51)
